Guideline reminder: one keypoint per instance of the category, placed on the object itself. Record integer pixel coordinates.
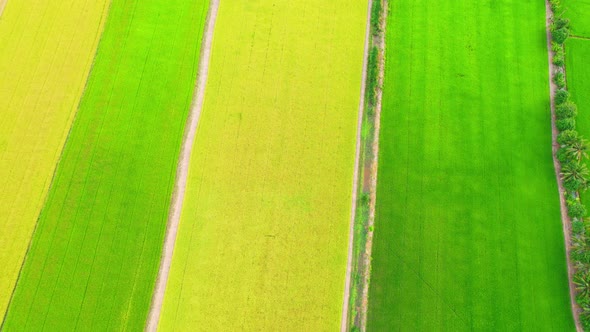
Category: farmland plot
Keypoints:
(262, 242)
(468, 234)
(578, 83)
(46, 51)
(578, 11)
(94, 257)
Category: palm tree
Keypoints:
(574, 172)
(578, 149)
(582, 282)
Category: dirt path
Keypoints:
(565, 220)
(182, 170)
(345, 305)
(2, 5)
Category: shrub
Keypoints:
(566, 124)
(566, 110)
(572, 185)
(372, 75)
(559, 79)
(563, 155)
(560, 35)
(561, 23)
(555, 5)
(559, 59)
(581, 254)
(561, 96)
(576, 209)
(376, 16)
(578, 227)
(585, 320)
(567, 136)
(558, 54)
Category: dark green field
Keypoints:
(468, 233)
(95, 253)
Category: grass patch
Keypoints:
(95, 254)
(467, 233)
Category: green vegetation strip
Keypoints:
(94, 256)
(263, 236)
(573, 151)
(467, 231)
(365, 207)
(578, 83)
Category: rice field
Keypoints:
(467, 233)
(46, 50)
(578, 83)
(95, 253)
(95, 98)
(577, 11)
(262, 242)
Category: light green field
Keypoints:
(95, 253)
(468, 234)
(263, 238)
(578, 83)
(46, 50)
(578, 11)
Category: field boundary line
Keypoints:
(182, 170)
(571, 36)
(565, 219)
(361, 111)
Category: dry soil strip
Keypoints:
(565, 219)
(182, 170)
(345, 305)
(2, 5)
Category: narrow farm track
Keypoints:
(374, 168)
(345, 305)
(565, 219)
(182, 170)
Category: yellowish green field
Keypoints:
(262, 243)
(46, 50)
(94, 256)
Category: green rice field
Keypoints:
(578, 12)
(578, 83)
(468, 234)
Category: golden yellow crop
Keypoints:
(262, 242)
